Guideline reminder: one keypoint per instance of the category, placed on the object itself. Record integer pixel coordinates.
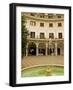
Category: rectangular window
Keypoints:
(59, 16)
(50, 15)
(32, 34)
(41, 24)
(59, 24)
(50, 24)
(59, 35)
(42, 35)
(51, 35)
(32, 23)
(42, 15)
(32, 14)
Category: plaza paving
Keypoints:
(29, 61)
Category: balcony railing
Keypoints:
(44, 18)
(45, 39)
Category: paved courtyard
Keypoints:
(40, 60)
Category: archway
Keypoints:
(51, 48)
(32, 49)
(60, 49)
(42, 48)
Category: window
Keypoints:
(32, 34)
(51, 35)
(41, 24)
(50, 24)
(50, 16)
(59, 16)
(32, 23)
(42, 15)
(42, 35)
(59, 35)
(59, 24)
(32, 14)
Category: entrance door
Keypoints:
(42, 48)
(42, 51)
(32, 49)
(58, 51)
(51, 51)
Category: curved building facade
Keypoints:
(46, 34)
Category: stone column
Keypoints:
(49, 49)
(55, 48)
(46, 49)
(36, 49)
(62, 52)
(27, 49)
(50, 43)
(62, 49)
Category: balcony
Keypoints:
(45, 39)
(45, 18)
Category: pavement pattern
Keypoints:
(29, 61)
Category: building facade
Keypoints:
(46, 34)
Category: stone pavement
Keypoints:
(40, 60)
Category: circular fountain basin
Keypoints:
(46, 70)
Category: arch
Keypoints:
(31, 48)
(51, 48)
(60, 48)
(42, 45)
(42, 48)
(60, 44)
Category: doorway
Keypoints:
(58, 51)
(32, 49)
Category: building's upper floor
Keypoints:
(44, 25)
(44, 16)
(44, 21)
